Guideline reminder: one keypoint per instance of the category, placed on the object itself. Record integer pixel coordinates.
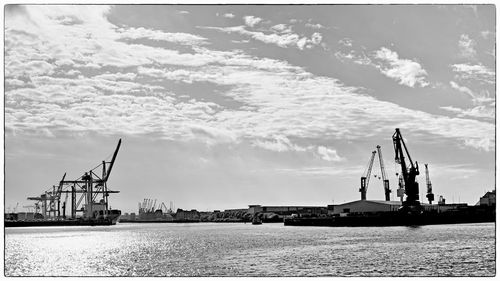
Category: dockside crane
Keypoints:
(365, 179)
(411, 204)
(430, 195)
(91, 184)
(385, 181)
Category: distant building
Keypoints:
(287, 210)
(366, 206)
(235, 211)
(329, 209)
(377, 206)
(253, 209)
(187, 215)
(488, 199)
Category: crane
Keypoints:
(430, 195)
(365, 179)
(385, 181)
(409, 174)
(89, 185)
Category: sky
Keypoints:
(222, 106)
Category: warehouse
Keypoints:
(287, 210)
(366, 206)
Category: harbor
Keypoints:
(406, 212)
(257, 140)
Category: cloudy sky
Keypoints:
(221, 106)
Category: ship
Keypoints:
(89, 201)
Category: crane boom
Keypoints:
(365, 179)
(430, 195)
(61, 183)
(385, 181)
(113, 160)
(409, 173)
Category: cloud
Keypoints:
(14, 82)
(278, 143)
(228, 15)
(361, 59)
(405, 71)
(329, 155)
(474, 72)
(347, 172)
(281, 143)
(282, 28)
(283, 40)
(251, 21)
(480, 111)
(346, 42)
(117, 91)
(484, 104)
(467, 47)
(316, 38)
(486, 34)
(462, 89)
(485, 143)
(17, 68)
(314, 26)
(178, 37)
(484, 97)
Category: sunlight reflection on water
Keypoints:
(248, 250)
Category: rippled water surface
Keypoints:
(207, 249)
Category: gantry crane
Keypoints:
(409, 173)
(365, 179)
(430, 195)
(90, 185)
(385, 181)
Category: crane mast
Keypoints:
(430, 195)
(385, 181)
(409, 172)
(365, 179)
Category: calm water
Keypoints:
(250, 250)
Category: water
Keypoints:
(208, 249)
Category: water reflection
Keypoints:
(247, 250)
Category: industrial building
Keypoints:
(192, 215)
(288, 210)
(488, 199)
(377, 206)
(365, 206)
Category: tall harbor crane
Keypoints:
(385, 181)
(90, 185)
(411, 204)
(430, 195)
(365, 179)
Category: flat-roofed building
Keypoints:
(366, 206)
(287, 210)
